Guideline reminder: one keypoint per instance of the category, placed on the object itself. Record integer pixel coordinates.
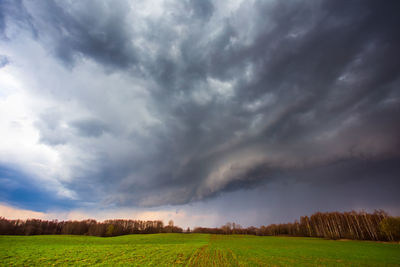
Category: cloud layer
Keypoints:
(173, 102)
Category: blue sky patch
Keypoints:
(20, 189)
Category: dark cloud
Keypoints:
(236, 98)
(95, 30)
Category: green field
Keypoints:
(193, 250)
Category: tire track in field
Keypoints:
(199, 257)
(211, 255)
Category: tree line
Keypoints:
(378, 226)
(85, 227)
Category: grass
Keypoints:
(193, 250)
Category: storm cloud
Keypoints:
(174, 102)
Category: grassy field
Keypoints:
(193, 250)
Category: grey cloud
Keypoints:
(234, 99)
(50, 127)
(89, 127)
(2, 20)
(3, 61)
(16, 13)
(202, 9)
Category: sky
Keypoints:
(202, 112)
